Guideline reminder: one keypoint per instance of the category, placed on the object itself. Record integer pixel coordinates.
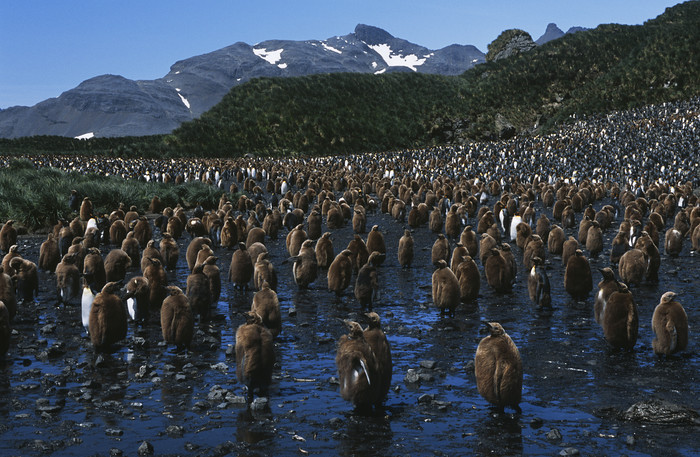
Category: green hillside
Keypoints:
(608, 68)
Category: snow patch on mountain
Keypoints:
(330, 48)
(397, 60)
(271, 57)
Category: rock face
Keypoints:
(512, 42)
(551, 33)
(110, 105)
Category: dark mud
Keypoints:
(57, 397)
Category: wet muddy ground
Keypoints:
(57, 397)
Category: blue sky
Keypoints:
(50, 46)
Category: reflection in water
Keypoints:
(365, 435)
(499, 434)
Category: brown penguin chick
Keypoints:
(158, 281)
(620, 245)
(255, 357)
(340, 272)
(315, 225)
(357, 368)
(150, 252)
(568, 249)
(169, 251)
(198, 292)
(77, 226)
(359, 220)
(193, 249)
(12, 253)
(670, 326)
(131, 246)
(568, 219)
(538, 287)
(435, 221)
(375, 337)
(633, 266)
(176, 318)
(594, 239)
(241, 268)
(469, 279)
(498, 369)
(458, 254)
(651, 252)
(108, 320)
(375, 242)
(68, 280)
(175, 227)
(405, 249)
(495, 232)
(555, 242)
(673, 242)
(621, 319)
(137, 296)
(229, 233)
(578, 280)
(264, 271)
(414, 219)
(116, 263)
(195, 227)
(143, 231)
(359, 251)
(446, 293)
(117, 232)
(440, 250)
(305, 267)
(469, 241)
(367, 283)
(255, 250)
(523, 232)
(7, 294)
(212, 271)
(5, 330)
(453, 221)
(583, 227)
(498, 272)
(94, 269)
(485, 221)
(8, 236)
(49, 255)
(86, 209)
(324, 251)
(294, 240)
(534, 247)
(486, 246)
(203, 255)
(543, 227)
(26, 279)
(695, 238)
(606, 287)
(255, 235)
(78, 249)
(65, 240)
(267, 306)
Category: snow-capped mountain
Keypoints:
(111, 105)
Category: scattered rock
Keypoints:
(114, 432)
(146, 448)
(569, 451)
(259, 404)
(553, 435)
(428, 364)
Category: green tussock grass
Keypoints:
(37, 199)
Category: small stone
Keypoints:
(292, 311)
(630, 440)
(569, 451)
(553, 435)
(175, 431)
(536, 422)
(221, 366)
(412, 376)
(426, 377)
(426, 398)
(428, 364)
(116, 452)
(235, 399)
(335, 422)
(48, 328)
(114, 432)
(180, 377)
(146, 448)
(230, 350)
(259, 403)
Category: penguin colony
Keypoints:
(450, 197)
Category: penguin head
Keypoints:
(494, 328)
(668, 297)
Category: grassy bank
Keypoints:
(37, 199)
